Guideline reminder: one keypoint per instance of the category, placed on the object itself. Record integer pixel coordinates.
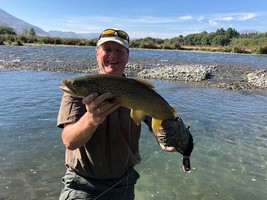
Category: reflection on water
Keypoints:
(230, 131)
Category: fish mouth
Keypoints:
(67, 88)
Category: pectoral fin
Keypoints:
(137, 116)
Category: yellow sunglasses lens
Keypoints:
(112, 32)
(109, 32)
(123, 35)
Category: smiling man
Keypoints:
(112, 53)
(101, 139)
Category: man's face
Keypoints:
(112, 58)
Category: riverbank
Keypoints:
(228, 77)
(223, 70)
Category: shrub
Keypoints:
(18, 43)
(239, 49)
(262, 50)
(2, 41)
(91, 42)
(7, 30)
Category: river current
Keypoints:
(229, 128)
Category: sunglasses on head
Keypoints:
(112, 32)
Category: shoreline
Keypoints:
(238, 79)
(198, 49)
(227, 75)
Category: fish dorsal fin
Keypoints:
(174, 110)
(146, 83)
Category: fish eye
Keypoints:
(74, 83)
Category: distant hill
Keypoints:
(18, 25)
(89, 35)
(62, 34)
(70, 34)
(248, 31)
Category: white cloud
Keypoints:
(235, 17)
(226, 18)
(152, 20)
(200, 18)
(247, 16)
(213, 22)
(154, 34)
(220, 20)
(187, 17)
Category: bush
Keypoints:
(239, 49)
(91, 42)
(7, 30)
(18, 43)
(262, 50)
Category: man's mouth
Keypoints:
(113, 63)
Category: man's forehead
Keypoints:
(113, 45)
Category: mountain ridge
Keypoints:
(17, 24)
(71, 34)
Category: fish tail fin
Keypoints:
(156, 125)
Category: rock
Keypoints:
(193, 73)
(258, 78)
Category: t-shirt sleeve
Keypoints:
(71, 110)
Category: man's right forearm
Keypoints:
(75, 135)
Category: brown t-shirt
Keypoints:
(113, 148)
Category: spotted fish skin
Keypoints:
(137, 95)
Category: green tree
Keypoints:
(189, 39)
(149, 43)
(232, 33)
(7, 30)
(30, 32)
(220, 40)
(220, 31)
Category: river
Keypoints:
(229, 128)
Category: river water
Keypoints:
(229, 128)
(62, 56)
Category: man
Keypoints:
(100, 137)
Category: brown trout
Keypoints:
(137, 95)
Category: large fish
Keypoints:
(137, 95)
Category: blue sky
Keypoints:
(141, 18)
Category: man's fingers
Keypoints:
(90, 98)
(97, 99)
(102, 98)
(100, 106)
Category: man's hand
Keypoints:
(99, 106)
(175, 134)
